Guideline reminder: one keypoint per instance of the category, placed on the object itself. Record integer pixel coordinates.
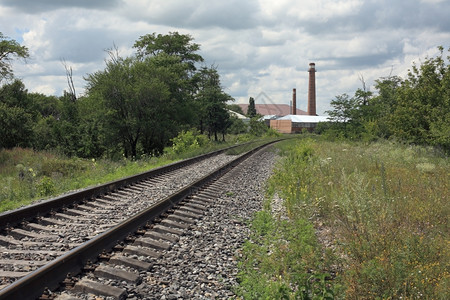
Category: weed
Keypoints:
(386, 206)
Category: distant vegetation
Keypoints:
(27, 175)
(132, 108)
(415, 109)
(141, 111)
(361, 221)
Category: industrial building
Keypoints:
(290, 119)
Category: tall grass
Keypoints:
(27, 176)
(380, 209)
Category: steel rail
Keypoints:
(14, 217)
(51, 275)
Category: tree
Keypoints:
(346, 117)
(17, 116)
(69, 76)
(171, 44)
(383, 105)
(177, 53)
(10, 49)
(415, 109)
(212, 101)
(251, 110)
(136, 100)
(422, 107)
(344, 109)
(16, 127)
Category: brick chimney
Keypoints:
(294, 102)
(312, 90)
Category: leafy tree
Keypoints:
(16, 127)
(415, 109)
(10, 49)
(344, 109)
(237, 126)
(177, 53)
(212, 101)
(422, 104)
(251, 110)
(45, 105)
(384, 105)
(257, 127)
(136, 99)
(349, 115)
(16, 116)
(14, 94)
(171, 44)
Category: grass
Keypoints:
(27, 176)
(380, 218)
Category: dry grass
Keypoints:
(384, 206)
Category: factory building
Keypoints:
(296, 123)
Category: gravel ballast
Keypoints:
(203, 264)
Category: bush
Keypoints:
(46, 187)
(188, 141)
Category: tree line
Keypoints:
(134, 106)
(415, 109)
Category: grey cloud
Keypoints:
(233, 14)
(382, 14)
(81, 46)
(354, 62)
(37, 6)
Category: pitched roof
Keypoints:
(273, 109)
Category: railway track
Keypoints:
(136, 222)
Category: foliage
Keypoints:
(27, 175)
(15, 127)
(133, 107)
(211, 101)
(8, 50)
(133, 93)
(415, 109)
(173, 44)
(188, 141)
(257, 127)
(251, 110)
(380, 211)
(237, 126)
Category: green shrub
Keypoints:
(188, 141)
(46, 187)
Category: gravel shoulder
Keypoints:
(203, 264)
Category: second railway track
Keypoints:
(34, 246)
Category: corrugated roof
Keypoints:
(305, 119)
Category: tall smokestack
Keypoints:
(312, 90)
(294, 102)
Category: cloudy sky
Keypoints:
(262, 48)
